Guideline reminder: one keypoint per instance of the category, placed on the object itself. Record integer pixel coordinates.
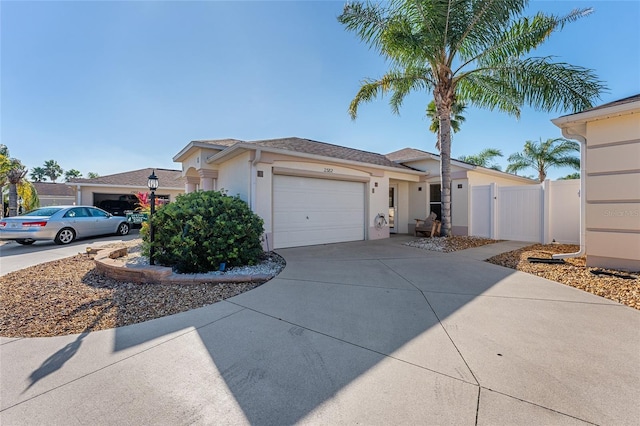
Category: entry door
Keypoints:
(393, 209)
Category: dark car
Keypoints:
(116, 207)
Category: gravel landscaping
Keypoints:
(68, 296)
(621, 286)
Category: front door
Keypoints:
(393, 209)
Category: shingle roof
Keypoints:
(54, 189)
(623, 101)
(308, 146)
(167, 178)
(408, 154)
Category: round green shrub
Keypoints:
(203, 229)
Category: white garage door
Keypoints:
(308, 211)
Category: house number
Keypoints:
(328, 170)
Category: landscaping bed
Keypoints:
(574, 272)
(69, 296)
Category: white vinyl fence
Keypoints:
(538, 213)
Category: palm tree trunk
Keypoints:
(13, 199)
(444, 112)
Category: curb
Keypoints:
(106, 263)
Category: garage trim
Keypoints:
(319, 175)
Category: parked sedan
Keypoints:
(62, 224)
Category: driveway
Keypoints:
(370, 332)
(14, 256)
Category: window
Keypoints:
(97, 213)
(435, 200)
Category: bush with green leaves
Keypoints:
(203, 229)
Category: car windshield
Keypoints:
(44, 211)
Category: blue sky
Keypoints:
(114, 86)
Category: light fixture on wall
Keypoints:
(152, 183)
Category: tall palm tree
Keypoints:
(467, 51)
(38, 174)
(456, 119)
(52, 170)
(484, 158)
(541, 156)
(15, 175)
(72, 174)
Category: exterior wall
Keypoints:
(46, 200)
(197, 159)
(613, 192)
(460, 207)
(417, 205)
(234, 176)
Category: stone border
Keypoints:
(107, 264)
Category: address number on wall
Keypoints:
(328, 170)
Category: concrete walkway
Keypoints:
(369, 332)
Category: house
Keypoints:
(610, 149)
(55, 194)
(311, 192)
(125, 186)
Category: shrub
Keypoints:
(203, 229)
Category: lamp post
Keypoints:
(152, 183)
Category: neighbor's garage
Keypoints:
(308, 211)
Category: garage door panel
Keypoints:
(311, 211)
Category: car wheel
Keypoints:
(25, 242)
(123, 229)
(65, 236)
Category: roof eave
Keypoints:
(231, 151)
(597, 114)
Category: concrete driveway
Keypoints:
(369, 332)
(14, 256)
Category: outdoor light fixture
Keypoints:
(152, 183)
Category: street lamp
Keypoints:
(152, 183)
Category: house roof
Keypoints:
(308, 146)
(51, 189)
(409, 154)
(628, 105)
(623, 101)
(167, 178)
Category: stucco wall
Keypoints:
(233, 176)
(613, 192)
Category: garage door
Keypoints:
(308, 211)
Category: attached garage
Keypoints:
(308, 211)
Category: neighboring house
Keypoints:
(610, 142)
(125, 186)
(312, 192)
(55, 194)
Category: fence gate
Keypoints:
(481, 211)
(520, 213)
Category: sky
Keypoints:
(113, 86)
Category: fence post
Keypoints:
(546, 212)
(493, 214)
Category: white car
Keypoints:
(62, 224)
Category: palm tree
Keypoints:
(468, 51)
(483, 158)
(38, 174)
(72, 174)
(16, 173)
(456, 119)
(52, 170)
(543, 155)
(92, 175)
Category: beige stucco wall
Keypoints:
(613, 192)
(234, 176)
